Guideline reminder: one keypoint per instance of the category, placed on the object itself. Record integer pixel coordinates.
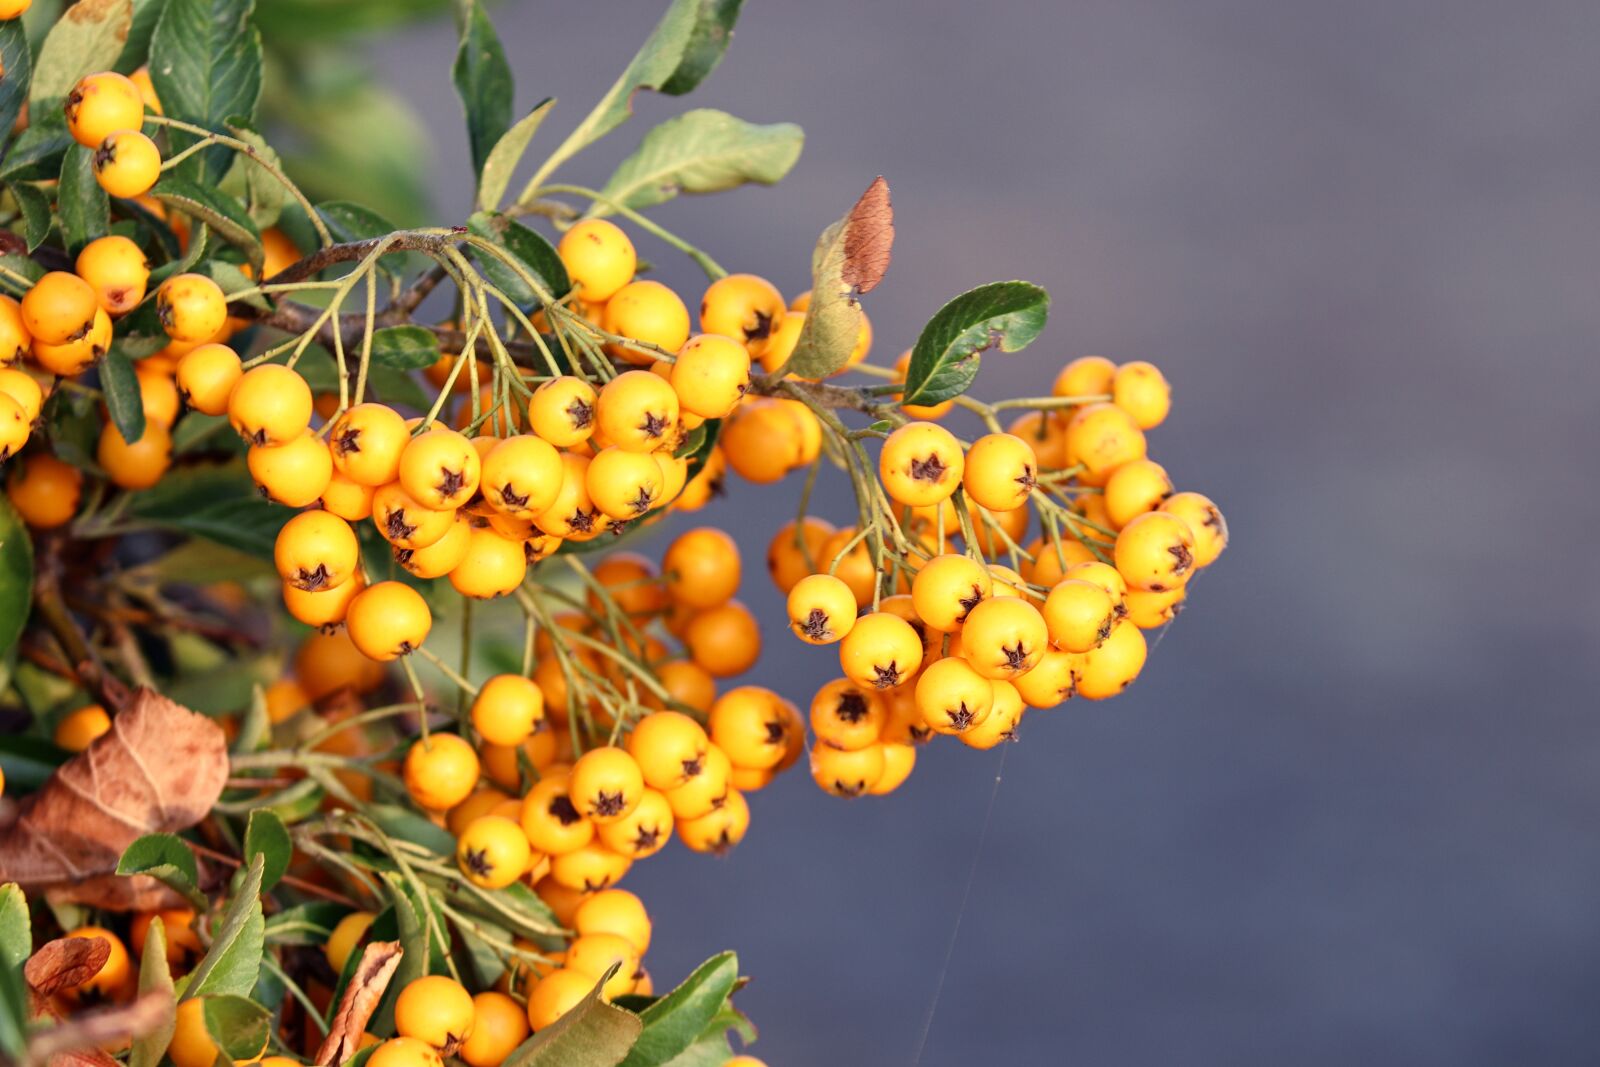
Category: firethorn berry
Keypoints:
(14, 338)
(14, 427)
(1133, 489)
(822, 609)
(904, 724)
(649, 312)
(367, 442)
(1005, 712)
(117, 270)
(77, 355)
(711, 375)
(617, 912)
(113, 977)
(77, 730)
(705, 790)
(572, 514)
(325, 663)
(642, 832)
(743, 307)
(1052, 680)
(522, 475)
(881, 651)
(270, 404)
(920, 464)
(1051, 558)
(1001, 471)
(191, 1044)
(701, 567)
(1103, 575)
(637, 411)
(1079, 615)
(555, 994)
(101, 103)
(492, 565)
(599, 258)
(551, 822)
(395, 1052)
(177, 924)
(158, 393)
(847, 772)
(898, 763)
(562, 411)
(138, 465)
(1155, 552)
(1046, 435)
(191, 308)
(435, 1010)
(60, 307)
(349, 500)
(781, 341)
(23, 390)
(316, 550)
(507, 709)
(1148, 610)
(687, 683)
(293, 473)
(11, 9)
(947, 588)
(589, 868)
(624, 485)
(1103, 437)
(717, 830)
(1085, 376)
(796, 551)
(1206, 523)
(1003, 637)
(344, 938)
(322, 607)
(1140, 389)
(952, 697)
(500, 1024)
(440, 469)
(744, 1061)
(631, 582)
(441, 769)
(1112, 667)
(762, 441)
(669, 748)
(44, 490)
(126, 164)
(594, 954)
(493, 852)
(846, 716)
(206, 377)
(389, 620)
(406, 524)
(606, 784)
(725, 640)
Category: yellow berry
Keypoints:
(847, 772)
(555, 994)
(270, 404)
(136, 465)
(743, 307)
(649, 312)
(952, 697)
(78, 729)
(947, 588)
(637, 411)
(711, 375)
(921, 464)
(345, 936)
(668, 747)
(561, 411)
(405, 523)
(440, 469)
(552, 823)
(1155, 552)
(1005, 712)
(702, 568)
(1206, 523)
(1111, 668)
(58, 308)
(1000, 472)
(389, 620)
(293, 473)
(126, 164)
(624, 485)
(1004, 637)
(1140, 389)
(367, 442)
(881, 651)
(117, 270)
(1133, 489)
(847, 716)
(493, 852)
(599, 258)
(44, 490)
(522, 476)
(1079, 615)
(507, 709)
(441, 770)
(500, 1025)
(717, 830)
(100, 104)
(822, 609)
(396, 1052)
(1103, 437)
(191, 308)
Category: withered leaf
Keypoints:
(77, 1041)
(850, 258)
(159, 768)
(367, 985)
(868, 238)
(65, 963)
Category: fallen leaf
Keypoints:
(868, 238)
(77, 1041)
(65, 963)
(378, 963)
(158, 769)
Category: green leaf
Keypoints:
(483, 81)
(37, 151)
(405, 347)
(677, 1020)
(16, 574)
(233, 962)
(251, 183)
(167, 859)
(205, 62)
(255, 726)
(702, 151)
(123, 399)
(136, 51)
(591, 1034)
(22, 265)
(239, 1026)
(87, 38)
(216, 209)
(1003, 315)
(352, 222)
(506, 154)
(16, 928)
(305, 924)
(17, 60)
(13, 1010)
(850, 258)
(414, 941)
(267, 837)
(34, 203)
(83, 206)
(684, 47)
(529, 248)
(407, 825)
(216, 501)
(29, 762)
(154, 975)
(249, 525)
(230, 279)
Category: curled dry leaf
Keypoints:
(367, 985)
(77, 1041)
(158, 769)
(868, 238)
(65, 963)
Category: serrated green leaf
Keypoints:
(1002, 315)
(233, 962)
(251, 183)
(849, 259)
(16, 928)
(87, 38)
(222, 213)
(702, 151)
(123, 400)
(22, 265)
(591, 1034)
(482, 79)
(267, 837)
(84, 209)
(405, 347)
(155, 975)
(506, 154)
(16, 574)
(205, 63)
(708, 40)
(34, 204)
(36, 153)
(676, 1021)
(216, 502)
(529, 248)
(16, 59)
(238, 1025)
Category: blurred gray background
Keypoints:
(1349, 812)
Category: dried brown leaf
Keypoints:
(77, 1041)
(158, 769)
(65, 963)
(378, 963)
(868, 238)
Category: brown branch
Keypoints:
(351, 251)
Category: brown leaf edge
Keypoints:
(367, 985)
(65, 963)
(78, 1040)
(869, 238)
